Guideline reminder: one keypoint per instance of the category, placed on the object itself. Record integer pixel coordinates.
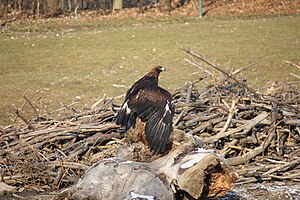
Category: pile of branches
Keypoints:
(51, 153)
(258, 132)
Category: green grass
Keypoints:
(85, 58)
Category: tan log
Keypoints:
(187, 170)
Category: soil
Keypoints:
(265, 191)
(253, 191)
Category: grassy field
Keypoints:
(80, 60)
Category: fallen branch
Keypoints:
(221, 70)
(245, 128)
(242, 159)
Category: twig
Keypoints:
(205, 125)
(294, 75)
(71, 165)
(284, 167)
(221, 70)
(26, 101)
(246, 128)
(179, 117)
(30, 126)
(244, 68)
(98, 102)
(198, 66)
(32, 106)
(293, 64)
(242, 159)
(232, 111)
(289, 177)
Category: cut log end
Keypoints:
(219, 183)
(187, 170)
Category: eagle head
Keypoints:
(158, 69)
(154, 73)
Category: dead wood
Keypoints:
(186, 170)
(220, 69)
(258, 135)
(293, 64)
(242, 129)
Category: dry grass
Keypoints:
(79, 61)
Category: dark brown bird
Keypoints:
(153, 105)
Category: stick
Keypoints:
(242, 159)
(202, 117)
(247, 127)
(293, 64)
(98, 102)
(30, 126)
(182, 113)
(284, 167)
(67, 164)
(189, 94)
(221, 70)
(198, 66)
(26, 101)
(294, 75)
(232, 111)
(32, 106)
(206, 124)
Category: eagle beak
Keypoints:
(162, 69)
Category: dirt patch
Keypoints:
(261, 191)
(265, 191)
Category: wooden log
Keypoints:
(187, 171)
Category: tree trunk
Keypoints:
(187, 171)
(69, 5)
(37, 11)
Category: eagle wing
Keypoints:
(154, 106)
(125, 116)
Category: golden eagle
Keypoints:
(153, 105)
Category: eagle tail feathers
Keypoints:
(157, 133)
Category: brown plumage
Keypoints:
(153, 105)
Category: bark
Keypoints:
(186, 171)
